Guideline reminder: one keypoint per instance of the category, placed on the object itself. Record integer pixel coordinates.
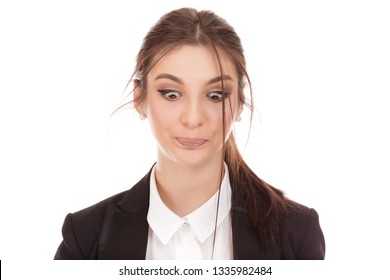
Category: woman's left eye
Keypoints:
(217, 96)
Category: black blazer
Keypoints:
(117, 228)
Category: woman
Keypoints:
(200, 200)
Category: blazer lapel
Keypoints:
(246, 245)
(124, 234)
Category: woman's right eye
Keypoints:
(169, 94)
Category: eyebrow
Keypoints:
(179, 81)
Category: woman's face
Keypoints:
(184, 104)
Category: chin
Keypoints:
(195, 157)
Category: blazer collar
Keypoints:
(124, 234)
(245, 240)
(246, 243)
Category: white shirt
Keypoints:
(190, 237)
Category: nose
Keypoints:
(192, 114)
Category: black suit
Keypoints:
(117, 228)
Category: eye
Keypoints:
(170, 95)
(216, 96)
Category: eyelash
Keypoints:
(168, 92)
(220, 93)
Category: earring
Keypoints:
(142, 117)
(238, 119)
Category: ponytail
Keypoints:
(265, 204)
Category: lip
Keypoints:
(191, 143)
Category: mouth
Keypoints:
(191, 143)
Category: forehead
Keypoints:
(194, 62)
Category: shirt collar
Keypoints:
(165, 223)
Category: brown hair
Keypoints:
(265, 204)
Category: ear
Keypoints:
(138, 104)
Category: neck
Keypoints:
(184, 188)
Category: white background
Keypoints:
(320, 70)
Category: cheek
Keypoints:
(160, 118)
(215, 121)
(230, 112)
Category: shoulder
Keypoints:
(92, 216)
(81, 230)
(298, 215)
(302, 236)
